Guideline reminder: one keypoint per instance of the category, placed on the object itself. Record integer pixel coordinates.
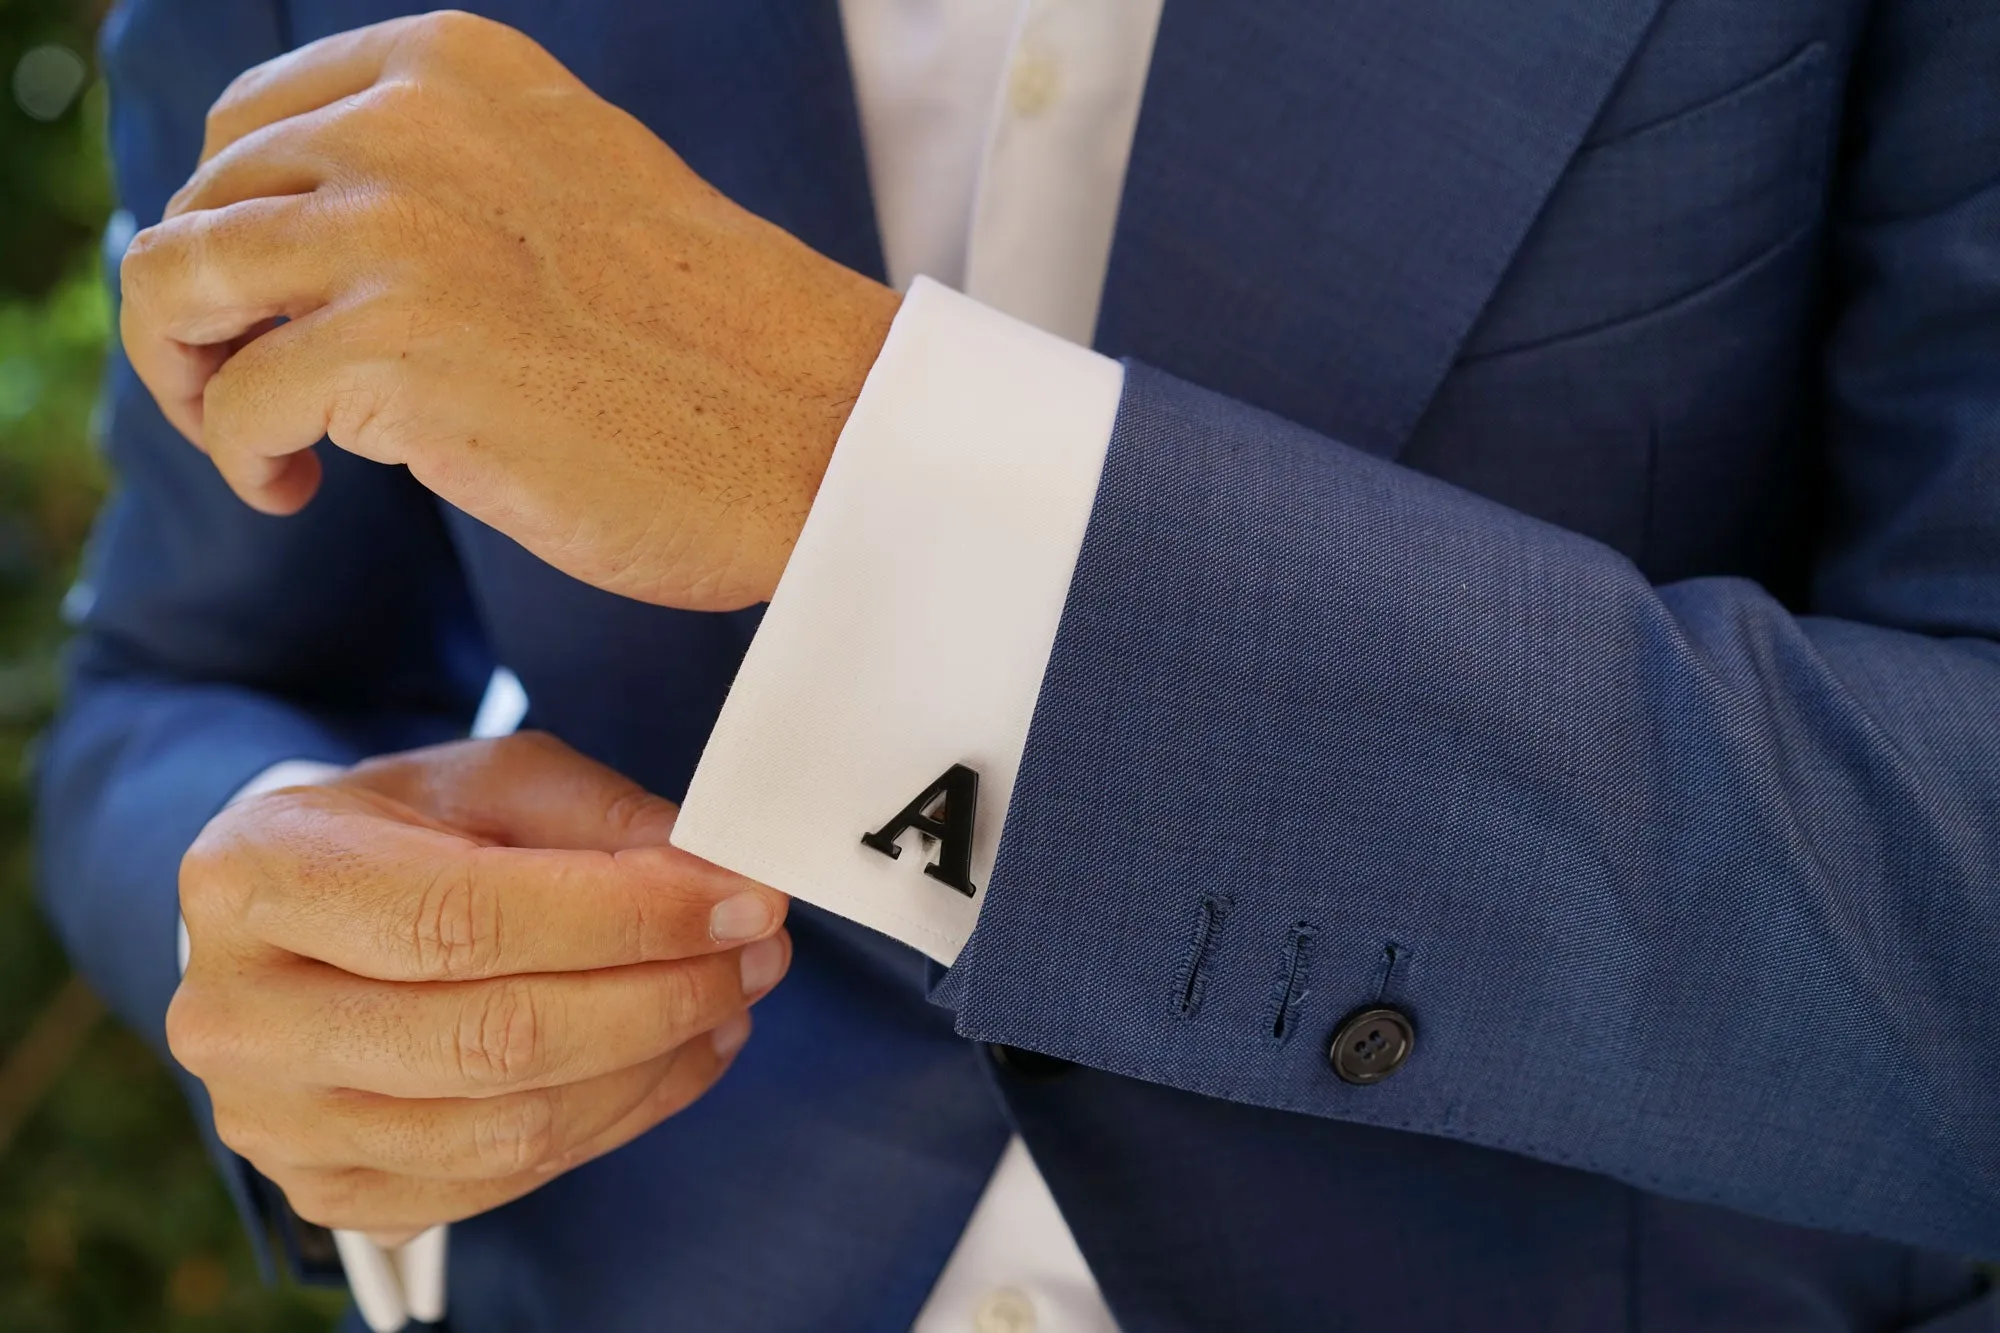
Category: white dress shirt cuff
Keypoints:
(914, 621)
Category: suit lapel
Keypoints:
(1323, 193)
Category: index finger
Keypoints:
(315, 75)
(419, 903)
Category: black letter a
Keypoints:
(944, 811)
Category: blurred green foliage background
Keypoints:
(111, 1220)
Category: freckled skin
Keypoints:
(504, 282)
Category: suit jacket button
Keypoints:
(1371, 1045)
(1027, 1064)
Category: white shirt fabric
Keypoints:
(997, 133)
(914, 621)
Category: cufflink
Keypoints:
(946, 811)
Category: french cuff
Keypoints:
(905, 645)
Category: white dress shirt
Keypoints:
(915, 618)
(914, 621)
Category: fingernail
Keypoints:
(730, 1036)
(743, 917)
(763, 964)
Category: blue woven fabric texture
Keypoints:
(1546, 578)
(1681, 882)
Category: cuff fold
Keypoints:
(909, 634)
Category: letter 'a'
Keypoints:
(945, 811)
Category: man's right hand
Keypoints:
(433, 984)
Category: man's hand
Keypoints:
(499, 279)
(428, 987)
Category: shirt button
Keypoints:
(1032, 84)
(1005, 1310)
(1371, 1045)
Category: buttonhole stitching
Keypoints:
(1394, 956)
(1192, 978)
(1294, 981)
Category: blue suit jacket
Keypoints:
(1546, 576)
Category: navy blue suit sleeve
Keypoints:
(214, 641)
(1678, 885)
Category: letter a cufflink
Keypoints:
(945, 810)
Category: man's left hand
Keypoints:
(427, 241)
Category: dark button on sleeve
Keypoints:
(1371, 1045)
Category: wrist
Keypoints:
(864, 310)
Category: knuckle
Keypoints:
(520, 750)
(389, 99)
(226, 109)
(686, 994)
(207, 868)
(194, 1034)
(354, 418)
(502, 1036)
(366, 125)
(205, 1032)
(634, 811)
(141, 263)
(219, 111)
(176, 256)
(518, 1136)
(445, 33)
(456, 27)
(332, 1199)
(659, 928)
(238, 865)
(219, 125)
(245, 1135)
(457, 934)
(531, 742)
